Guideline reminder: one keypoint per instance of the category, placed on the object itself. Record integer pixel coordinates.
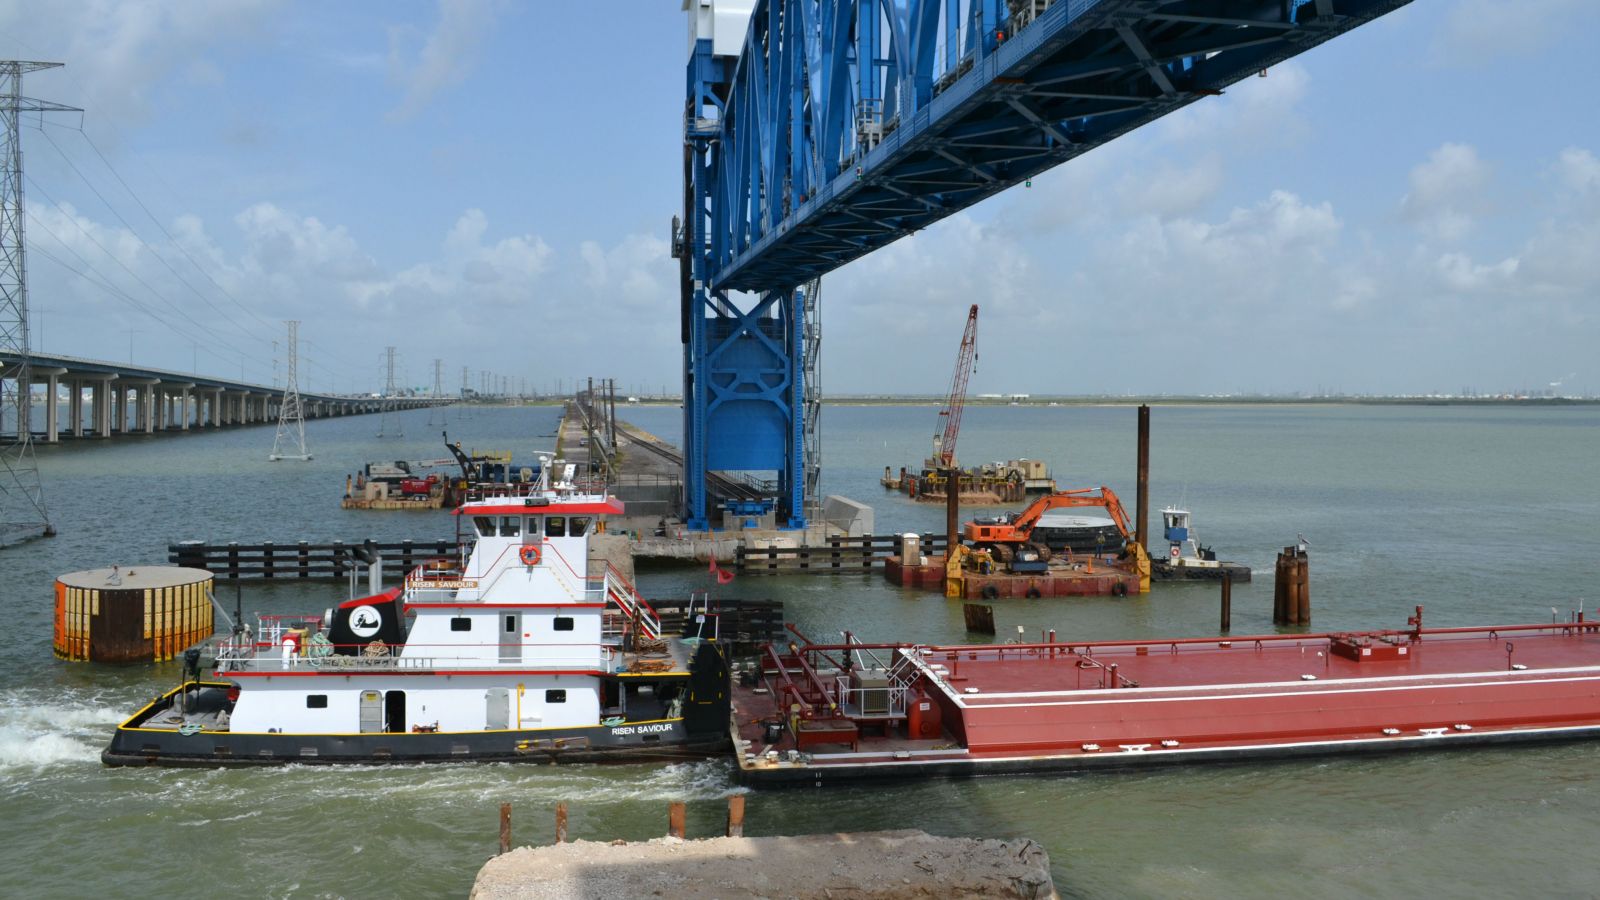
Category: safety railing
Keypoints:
(874, 702)
(248, 656)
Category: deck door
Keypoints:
(511, 637)
(498, 714)
(371, 712)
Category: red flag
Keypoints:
(723, 576)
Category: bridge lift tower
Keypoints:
(749, 394)
(817, 131)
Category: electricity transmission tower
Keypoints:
(386, 427)
(436, 412)
(291, 416)
(23, 514)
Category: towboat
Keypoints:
(1186, 559)
(818, 714)
(523, 650)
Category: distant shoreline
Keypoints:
(1201, 401)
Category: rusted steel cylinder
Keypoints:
(1303, 588)
(1227, 602)
(952, 511)
(132, 614)
(1142, 500)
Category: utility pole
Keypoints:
(23, 514)
(291, 415)
(435, 410)
(386, 408)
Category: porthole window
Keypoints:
(557, 695)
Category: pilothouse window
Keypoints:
(510, 526)
(485, 525)
(555, 526)
(580, 525)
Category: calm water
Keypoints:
(1479, 514)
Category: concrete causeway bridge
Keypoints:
(106, 399)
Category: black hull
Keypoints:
(136, 747)
(1160, 570)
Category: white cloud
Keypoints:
(118, 51)
(1264, 112)
(446, 55)
(1460, 273)
(1448, 192)
(1578, 170)
(638, 272)
(1477, 32)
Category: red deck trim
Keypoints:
(313, 672)
(610, 507)
(497, 605)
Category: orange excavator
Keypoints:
(1003, 537)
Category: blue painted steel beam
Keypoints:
(847, 124)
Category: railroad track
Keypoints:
(720, 484)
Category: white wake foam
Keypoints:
(37, 732)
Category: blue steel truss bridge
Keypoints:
(817, 131)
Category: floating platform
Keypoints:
(812, 718)
(434, 500)
(1056, 581)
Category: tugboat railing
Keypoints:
(237, 658)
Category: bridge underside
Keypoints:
(843, 125)
(1024, 98)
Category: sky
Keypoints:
(1413, 207)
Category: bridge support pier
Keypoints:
(52, 403)
(100, 400)
(75, 406)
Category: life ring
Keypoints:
(1033, 593)
(529, 554)
(990, 592)
(1119, 589)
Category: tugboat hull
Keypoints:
(140, 742)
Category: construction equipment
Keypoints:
(1006, 536)
(401, 470)
(944, 437)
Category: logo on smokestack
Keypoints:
(365, 621)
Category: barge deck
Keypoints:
(991, 709)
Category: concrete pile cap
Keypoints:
(879, 864)
(134, 578)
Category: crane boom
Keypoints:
(944, 437)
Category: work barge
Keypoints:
(817, 714)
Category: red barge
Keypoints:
(816, 714)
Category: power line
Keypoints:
(117, 292)
(175, 242)
(124, 266)
(140, 238)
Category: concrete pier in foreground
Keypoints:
(877, 864)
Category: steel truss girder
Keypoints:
(847, 109)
